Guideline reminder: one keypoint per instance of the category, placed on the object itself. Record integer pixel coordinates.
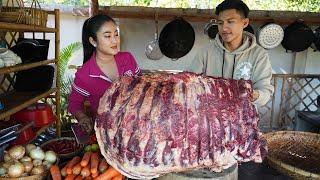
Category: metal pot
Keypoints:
(297, 37)
(270, 35)
(176, 39)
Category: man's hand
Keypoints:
(255, 95)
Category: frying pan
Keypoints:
(211, 29)
(316, 42)
(152, 50)
(176, 38)
(297, 37)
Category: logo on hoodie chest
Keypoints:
(243, 70)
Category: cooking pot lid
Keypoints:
(270, 35)
(176, 38)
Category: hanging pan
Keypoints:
(176, 39)
(270, 35)
(152, 50)
(297, 37)
(211, 29)
(316, 41)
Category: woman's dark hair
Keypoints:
(90, 28)
(238, 5)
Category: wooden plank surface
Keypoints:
(16, 101)
(19, 67)
(25, 28)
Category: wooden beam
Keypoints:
(203, 15)
(94, 7)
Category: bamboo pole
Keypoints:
(10, 69)
(25, 28)
(94, 7)
(57, 54)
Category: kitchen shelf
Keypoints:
(26, 28)
(16, 101)
(26, 66)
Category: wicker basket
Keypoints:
(34, 15)
(294, 153)
(13, 12)
(34, 177)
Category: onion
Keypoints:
(37, 170)
(3, 171)
(37, 153)
(7, 157)
(29, 147)
(50, 156)
(17, 152)
(16, 170)
(7, 164)
(25, 159)
(28, 165)
(47, 164)
(37, 162)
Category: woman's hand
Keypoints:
(85, 122)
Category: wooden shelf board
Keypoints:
(26, 66)
(16, 101)
(26, 28)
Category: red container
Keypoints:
(25, 136)
(40, 113)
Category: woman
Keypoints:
(103, 63)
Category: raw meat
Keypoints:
(151, 125)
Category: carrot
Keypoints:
(75, 160)
(64, 171)
(70, 177)
(119, 177)
(109, 174)
(103, 166)
(76, 169)
(85, 171)
(94, 162)
(55, 172)
(95, 174)
(79, 177)
(85, 159)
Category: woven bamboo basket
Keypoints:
(294, 153)
(12, 12)
(35, 15)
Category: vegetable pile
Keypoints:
(91, 166)
(22, 161)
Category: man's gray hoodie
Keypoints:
(249, 61)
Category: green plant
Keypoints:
(66, 82)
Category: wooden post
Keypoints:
(94, 7)
(57, 54)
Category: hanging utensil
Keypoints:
(211, 29)
(270, 35)
(316, 43)
(176, 38)
(152, 50)
(297, 37)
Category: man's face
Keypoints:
(231, 25)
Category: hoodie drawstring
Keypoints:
(223, 59)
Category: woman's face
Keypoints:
(108, 39)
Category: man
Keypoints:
(234, 53)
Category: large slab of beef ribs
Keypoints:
(156, 124)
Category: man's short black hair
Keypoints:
(239, 5)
